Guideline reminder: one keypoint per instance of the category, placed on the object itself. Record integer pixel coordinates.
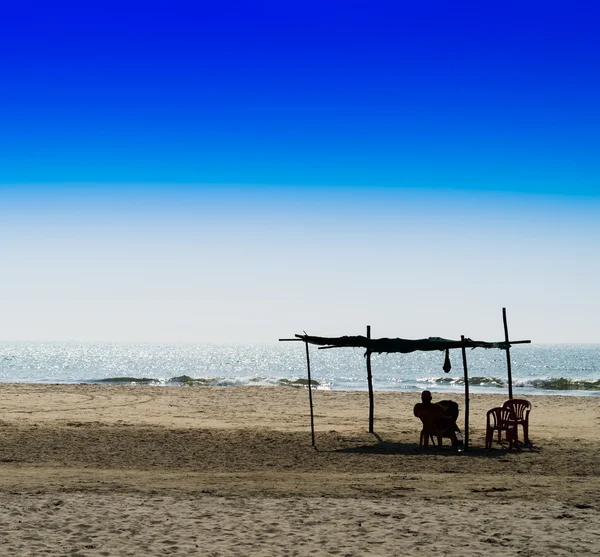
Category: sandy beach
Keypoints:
(116, 470)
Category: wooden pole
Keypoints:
(312, 418)
(466, 376)
(508, 367)
(370, 383)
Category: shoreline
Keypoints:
(300, 386)
(114, 470)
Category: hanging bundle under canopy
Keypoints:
(447, 365)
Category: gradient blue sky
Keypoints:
(241, 171)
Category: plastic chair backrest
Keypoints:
(500, 417)
(519, 406)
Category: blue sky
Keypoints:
(240, 171)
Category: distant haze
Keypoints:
(218, 270)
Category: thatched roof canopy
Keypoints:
(404, 346)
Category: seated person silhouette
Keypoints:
(439, 419)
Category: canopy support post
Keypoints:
(508, 366)
(466, 377)
(370, 383)
(310, 399)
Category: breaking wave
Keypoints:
(545, 384)
(186, 380)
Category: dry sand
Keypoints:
(100, 470)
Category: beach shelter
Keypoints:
(405, 346)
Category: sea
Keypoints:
(561, 369)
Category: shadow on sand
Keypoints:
(382, 447)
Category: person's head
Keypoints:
(426, 396)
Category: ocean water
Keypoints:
(536, 369)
